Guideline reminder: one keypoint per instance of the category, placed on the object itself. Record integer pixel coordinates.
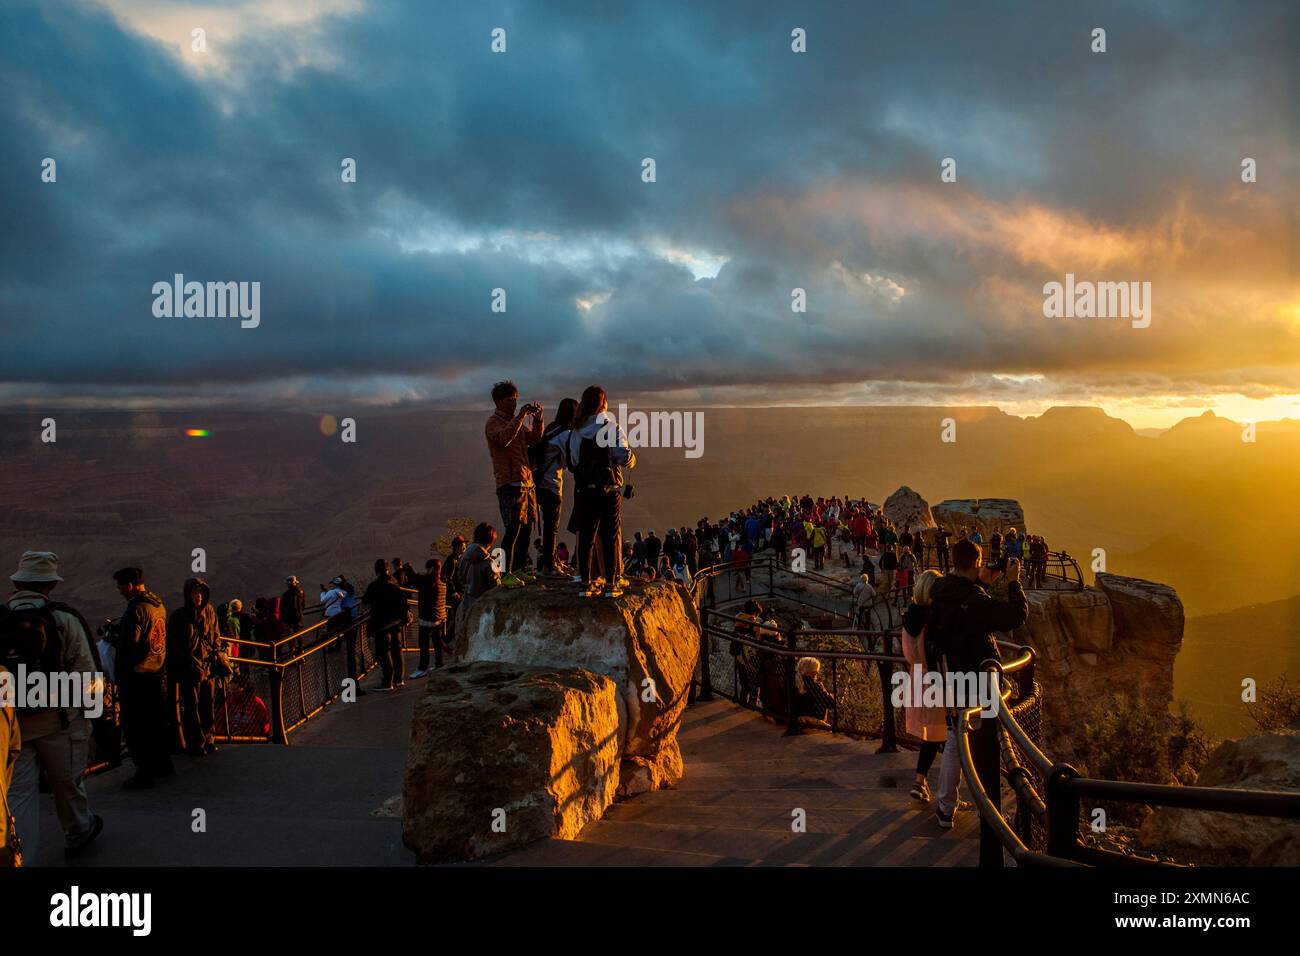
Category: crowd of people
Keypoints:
(177, 682)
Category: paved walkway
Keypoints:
(312, 803)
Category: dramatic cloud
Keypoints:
(522, 171)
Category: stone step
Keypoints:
(817, 820)
(797, 776)
(869, 766)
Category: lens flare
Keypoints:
(197, 433)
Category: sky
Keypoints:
(775, 170)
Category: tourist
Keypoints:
(475, 574)
(268, 629)
(547, 458)
(509, 436)
(888, 568)
(455, 593)
(387, 603)
(811, 698)
(744, 656)
(941, 536)
(598, 451)
(927, 724)
(141, 648)
(11, 745)
(864, 593)
(55, 740)
(962, 621)
(191, 645)
(293, 605)
(431, 596)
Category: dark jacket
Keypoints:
(142, 636)
(963, 618)
(191, 637)
(293, 608)
(474, 572)
(431, 590)
(387, 603)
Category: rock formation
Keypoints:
(1266, 762)
(505, 754)
(987, 514)
(647, 641)
(908, 511)
(1122, 635)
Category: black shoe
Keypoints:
(139, 782)
(96, 828)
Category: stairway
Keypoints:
(736, 805)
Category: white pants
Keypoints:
(949, 774)
(62, 755)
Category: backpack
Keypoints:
(30, 639)
(595, 468)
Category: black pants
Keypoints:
(388, 651)
(432, 634)
(943, 560)
(599, 513)
(197, 721)
(145, 722)
(515, 536)
(925, 757)
(549, 504)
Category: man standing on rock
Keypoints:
(960, 629)
(509, 435)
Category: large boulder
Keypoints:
(504, 754)
(1266, 762)
(1121, 635)
(647, 641)
(986, 514)
(908, 511)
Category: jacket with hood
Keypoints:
(475, 572)
(142, 636)
(614, 442)
(963, 618)
(192, 636)
(293, 608)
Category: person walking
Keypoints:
(927, 724)
(141, 646)
(38, 635)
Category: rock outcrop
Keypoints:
(987, 514)
(908, 511)
(1120, 636)
(504, 754)
(1266, 762)
(647, 641)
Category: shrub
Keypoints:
(1276, 708)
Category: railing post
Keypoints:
(278, 734)
(706, 666)
(888, 732)
(1062, 813)
(771, 578)
(792, 728)
(835, 692)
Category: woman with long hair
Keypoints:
(598, 451)
(927, 724)
(548, 472)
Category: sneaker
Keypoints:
(384, 687)
(528, 577)
(511, 580)
(420, 673)
(83, 841)
(587, 591)
(920, 792)
(613, 592)
(397, 684)
(945, 819)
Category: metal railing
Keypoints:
(1047, 830)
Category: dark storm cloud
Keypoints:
(522, 172)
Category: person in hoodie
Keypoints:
(55, 740)
(598, 451)
(191, 643)
(548, 458)
(475, 575)
(141, 646)
(960, 630)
